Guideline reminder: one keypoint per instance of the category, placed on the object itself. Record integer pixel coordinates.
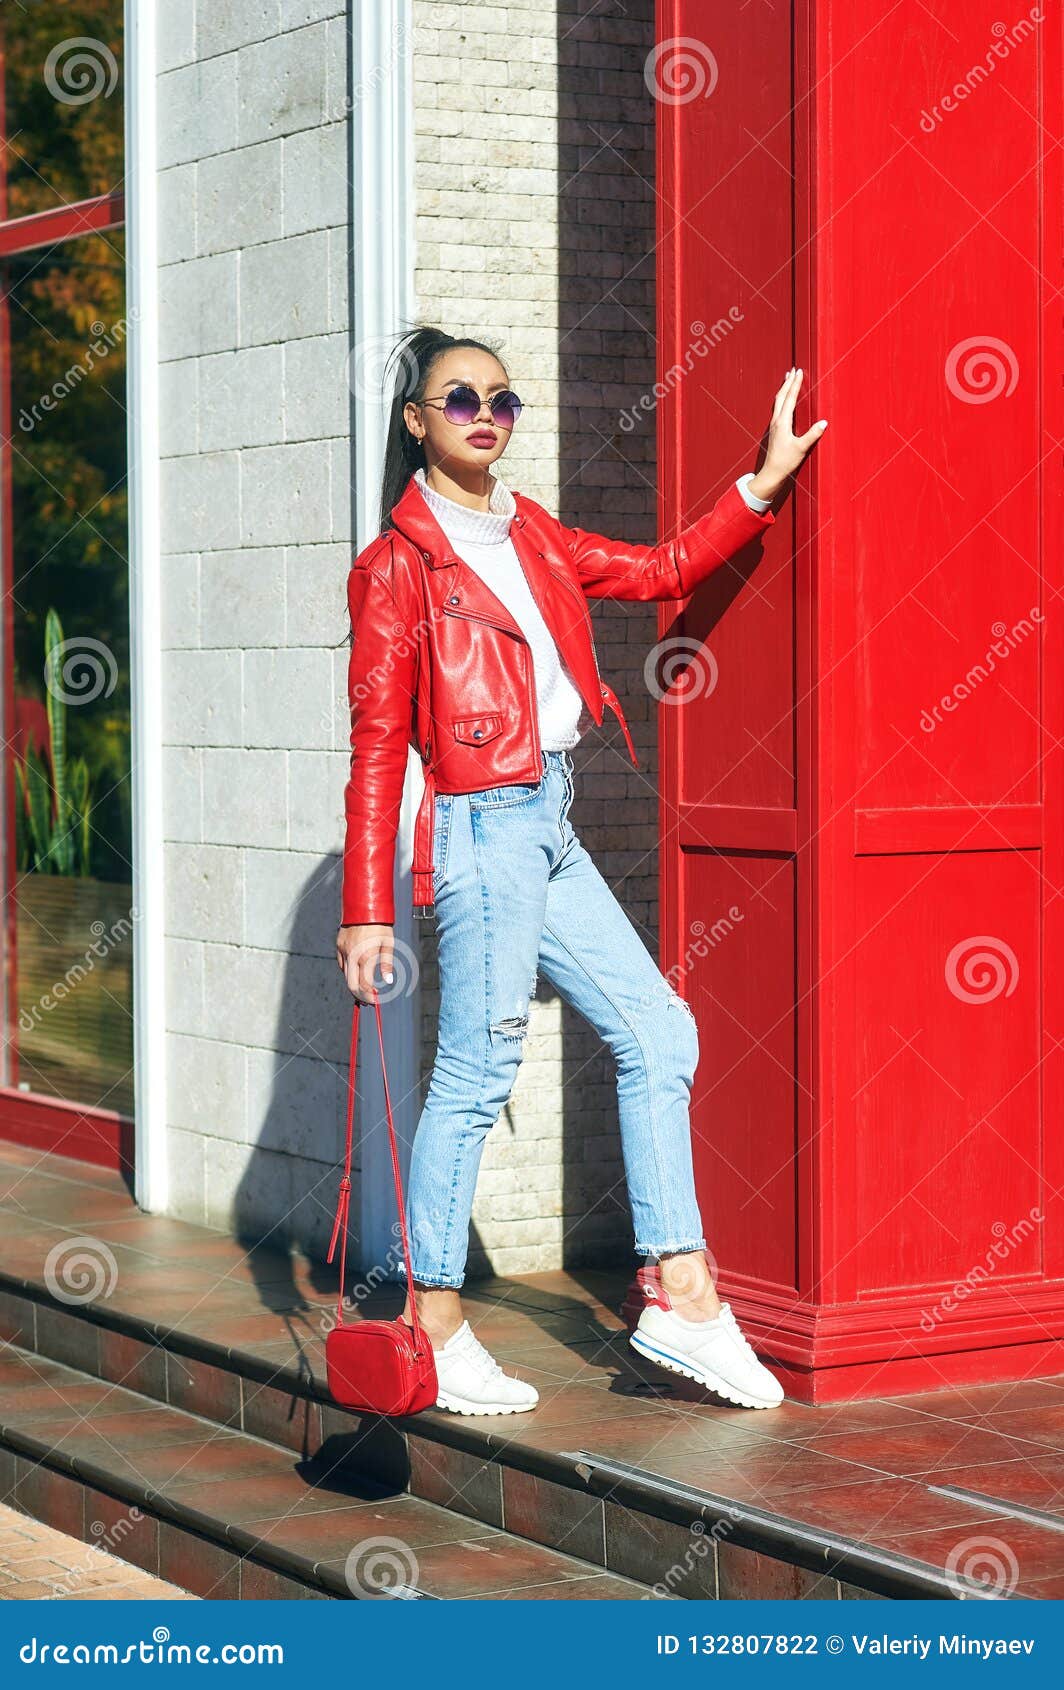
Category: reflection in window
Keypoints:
(62, 62)
(70, 1027)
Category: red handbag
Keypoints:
(382, 1366)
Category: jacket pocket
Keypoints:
(477, 730)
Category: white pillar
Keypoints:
(142, 380)
(382, 257)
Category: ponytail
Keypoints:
(413, 356)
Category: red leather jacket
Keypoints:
(437, 662)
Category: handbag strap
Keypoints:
(344, 1201)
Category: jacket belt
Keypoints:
(421, 866)
(615, 705)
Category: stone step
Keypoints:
(225, 1514)
(552, 1484)
(637, 1473)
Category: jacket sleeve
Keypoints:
(673, 568)
(380, 683)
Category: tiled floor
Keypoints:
(884, 1473)
(38, 1562)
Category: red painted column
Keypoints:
(862, 811)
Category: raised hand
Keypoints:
(786, 451)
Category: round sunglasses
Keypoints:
(462, 406)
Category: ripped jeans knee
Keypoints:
(669, 1032)
(511, 1027)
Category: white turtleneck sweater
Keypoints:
(482, 540)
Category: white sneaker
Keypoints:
(472, 1382)
(713, 1352)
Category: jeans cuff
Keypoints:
(444, 1281)
(677, 1249)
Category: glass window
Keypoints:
(63, 106)
(64, 533)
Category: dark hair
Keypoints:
(413, 355)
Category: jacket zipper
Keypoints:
(533, 713)
(492, 622)
(480, 616)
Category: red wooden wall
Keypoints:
(861, 814)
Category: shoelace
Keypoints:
(473, 1350)
(736, 1331)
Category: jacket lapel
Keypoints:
(463, 591)
(561, 600)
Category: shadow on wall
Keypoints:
(285, 1198)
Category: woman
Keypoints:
(472, 641)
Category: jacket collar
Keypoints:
(413, 518)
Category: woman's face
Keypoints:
(458, 447)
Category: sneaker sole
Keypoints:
(700, 1375)
(462, 1405)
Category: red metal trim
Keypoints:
(100, 1136)
(62, 223)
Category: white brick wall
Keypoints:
(256, 525)
(535, 230)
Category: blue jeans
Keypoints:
(516, 893)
